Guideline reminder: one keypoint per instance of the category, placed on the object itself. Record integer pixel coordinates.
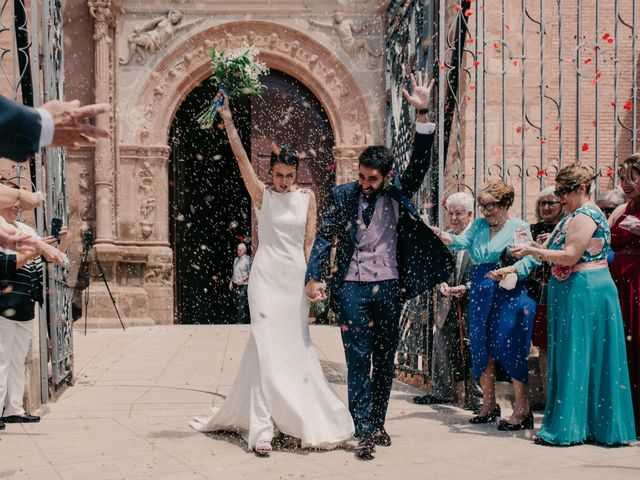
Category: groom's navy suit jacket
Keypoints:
(423, 260)
(19, 130)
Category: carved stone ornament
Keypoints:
(149, 37)
(104, 17)
(346, 30)
(148, 203)
(281, 48)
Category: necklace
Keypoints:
(495, 228)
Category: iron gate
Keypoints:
(524, 86)
(22, 57)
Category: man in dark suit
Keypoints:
(385, 255)
(24, 130)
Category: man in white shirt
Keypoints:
(240, 281)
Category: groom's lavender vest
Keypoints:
(374, 258)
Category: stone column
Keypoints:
(346, 160)
(104, 167)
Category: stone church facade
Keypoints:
(144, 58)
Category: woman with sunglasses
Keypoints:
(588, 391)
(625, 270)
(500, 319)
(548, 214)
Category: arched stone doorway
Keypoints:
(148, 104)
(209, 207)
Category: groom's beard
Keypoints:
(371, 193)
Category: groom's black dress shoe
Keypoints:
(429, 400)
(26, 418)
(365, 448)
(381, 437)
(1, 425)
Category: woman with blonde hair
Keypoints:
(588, 389)
(500, 316)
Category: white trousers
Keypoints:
(15, 338)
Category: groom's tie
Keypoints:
(367, 211)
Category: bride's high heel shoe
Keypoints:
(263, 448)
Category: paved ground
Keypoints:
(126, 418)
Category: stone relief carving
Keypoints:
(294, 47)
(346, 29)
(148, 38)
(158, 274)
(271, 42)
(105, 18)
(86, 199)
(148, 204)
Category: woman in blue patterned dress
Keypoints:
(500, 319)
(589, 398)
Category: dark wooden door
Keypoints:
(288, 113)
(210, 211)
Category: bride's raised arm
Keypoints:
(254, 186)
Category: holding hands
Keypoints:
(316, 291)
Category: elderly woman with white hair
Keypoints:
(450, 364)
(548, 214)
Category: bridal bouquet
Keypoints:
(235, 72)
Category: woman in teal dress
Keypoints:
(589, 398)
(500, 319)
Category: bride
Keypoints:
(280, 385)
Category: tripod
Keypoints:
(84, 276)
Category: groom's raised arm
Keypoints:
(414, 174)
(322, 244)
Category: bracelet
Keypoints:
(422, 111)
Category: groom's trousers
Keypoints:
(369, 315)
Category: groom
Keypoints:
(385, 255)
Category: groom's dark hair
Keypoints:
(379, 157)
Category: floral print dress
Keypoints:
(588, 388)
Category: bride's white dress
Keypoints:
(280, 382)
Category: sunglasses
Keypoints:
(548, 203)
(488, 207)
(565, 190)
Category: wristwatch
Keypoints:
(422, 111)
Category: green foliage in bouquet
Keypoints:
(237, 73)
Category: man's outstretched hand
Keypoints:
(70, 126)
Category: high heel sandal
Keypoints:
(525, 424)
(263, 448)
(490, 417)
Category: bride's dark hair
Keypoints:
(285, 155)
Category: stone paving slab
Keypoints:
(127, 418)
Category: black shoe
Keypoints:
(429, 399)
(525, 424)
(365, 448)
(26, 418)
(381, 437)
(495, 413)
(1, 425)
